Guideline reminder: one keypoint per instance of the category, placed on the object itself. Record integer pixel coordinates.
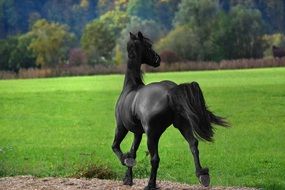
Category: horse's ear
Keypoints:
(132, 36)
(140, 35)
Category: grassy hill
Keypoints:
(61, 126)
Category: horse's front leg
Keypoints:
(120, 134)
(130, 159)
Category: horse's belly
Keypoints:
(138, 129)
(129, 121)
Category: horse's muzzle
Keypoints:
(157, 61)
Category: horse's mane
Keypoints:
(147, 40)
(135, 75)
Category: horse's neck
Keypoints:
(133, 76)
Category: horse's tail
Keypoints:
(188, 102)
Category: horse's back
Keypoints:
(151, 101)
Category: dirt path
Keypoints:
(50, 183)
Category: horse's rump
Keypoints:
(187, 101)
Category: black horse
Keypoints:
(152, 108)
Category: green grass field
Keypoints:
(59, 126)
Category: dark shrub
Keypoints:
(169, 57)
(278, 52)
(77, 57)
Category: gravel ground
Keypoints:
(51, 183)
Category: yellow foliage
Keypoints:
(277, 39)
(49, 41)
(118, 56)
(40, 60)
(84, 4)
(274, 39)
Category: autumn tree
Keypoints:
(277, 40)
(181, 40)
(103, 6)
(50, 43)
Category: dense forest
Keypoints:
(52, 33)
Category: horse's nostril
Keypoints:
(157, 59)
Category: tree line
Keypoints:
(52, 33)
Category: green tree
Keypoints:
(165, 12)
(238, 34)
(222, 35)
(15, 54)
(196, 12)
(199, 16)
(275, 13)
(99, 36)
(221, 38)
(2, 19)
(7, 46)
(246, 30)
(22, 56)
(10, 19)
(149, 28)
(144, 9)
(50, 42)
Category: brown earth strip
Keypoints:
(51, 183)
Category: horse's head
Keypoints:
(140, 46)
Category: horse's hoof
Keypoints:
(128, 182)
(130, 162)
(150, 188)
(204, 180)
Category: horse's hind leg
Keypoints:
(201, 173)
(130, 160)
(152, 144)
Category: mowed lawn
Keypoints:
(59, 126)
